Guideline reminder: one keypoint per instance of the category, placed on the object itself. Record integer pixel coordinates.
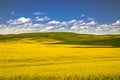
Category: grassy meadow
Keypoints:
(59, 56)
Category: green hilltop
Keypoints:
(65, 38)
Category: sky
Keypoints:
(81, 16)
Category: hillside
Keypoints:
(64, 38)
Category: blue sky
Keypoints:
(101, 11)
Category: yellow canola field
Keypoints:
(37, 61)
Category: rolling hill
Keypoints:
(63, 38)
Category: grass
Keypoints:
(107, 42)
(65, 38)
(30, 57)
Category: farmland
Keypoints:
(46, 57)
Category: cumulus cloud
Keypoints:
(92, 23)
(26, 25)
(54, 22)
(42, 19)
(74, 27)
(113, 28)
(117, 23)
(20, 20)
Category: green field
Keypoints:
(65, 38)
(59, 56)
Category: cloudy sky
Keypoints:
(81, 16)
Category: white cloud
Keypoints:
(117, 23)
(49, 27)
(42, 19)
(20, 20)
(74, 28)
(38, 13)
(25, 25)
(92, 23)
(37, 25)
(54, 22)
(91, 19)
(24, 20)
(62, 28)
(83, 15)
